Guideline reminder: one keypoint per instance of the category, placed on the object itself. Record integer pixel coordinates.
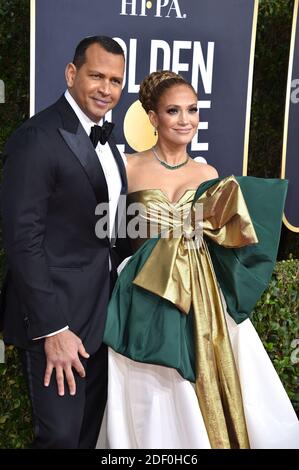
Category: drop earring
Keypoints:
(155, 131)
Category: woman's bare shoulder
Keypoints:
(136, 158)
(202, 167)
(211, 171)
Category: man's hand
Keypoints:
(62, 354)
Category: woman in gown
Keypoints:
(186, 367)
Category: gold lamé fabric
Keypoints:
(180, 270)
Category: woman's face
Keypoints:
(177, 116)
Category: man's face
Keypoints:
(96, 86)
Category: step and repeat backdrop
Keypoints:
(210, 42)
(290, 154)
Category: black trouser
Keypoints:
(67, 422)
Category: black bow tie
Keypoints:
(101, 133)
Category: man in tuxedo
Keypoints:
(59, 272)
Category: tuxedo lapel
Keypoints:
(83, 149)
(119, 216)
(80, 144)
(120, 164)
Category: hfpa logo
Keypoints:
(161, 8)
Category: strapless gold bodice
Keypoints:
(154, 214)
(157, 195)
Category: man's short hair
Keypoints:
(107, 43)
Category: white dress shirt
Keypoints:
(106, 159)
(110, 170)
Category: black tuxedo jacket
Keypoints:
(58, 270)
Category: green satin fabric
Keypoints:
(145, 327)
(244, 273)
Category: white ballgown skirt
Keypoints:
(153, 407)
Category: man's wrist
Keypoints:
(51, 334)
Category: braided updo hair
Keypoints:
(154, 85)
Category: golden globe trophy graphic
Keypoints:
(138, 131)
